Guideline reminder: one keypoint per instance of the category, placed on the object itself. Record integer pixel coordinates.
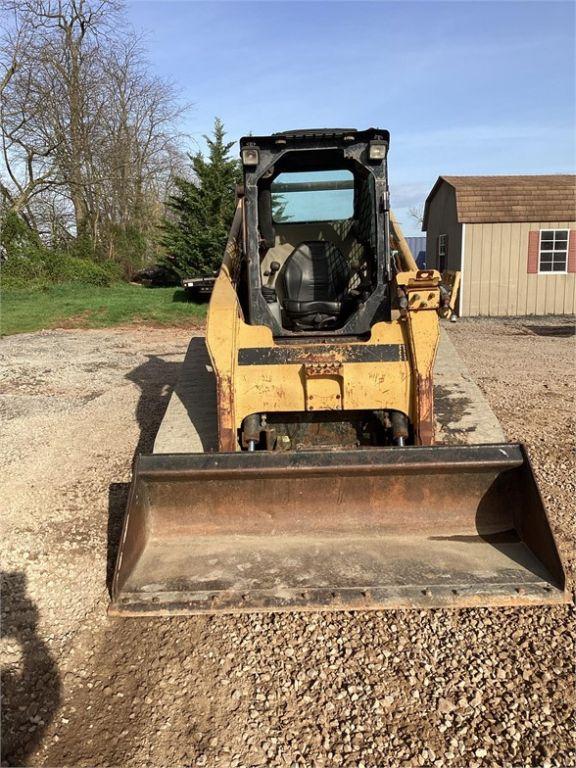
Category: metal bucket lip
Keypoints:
(319, 600)
(437, 458)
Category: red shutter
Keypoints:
(533, 252)
(572, 251)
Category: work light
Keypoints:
(377, 149)
(250, 156)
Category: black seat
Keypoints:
(311, 285)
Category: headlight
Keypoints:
(250, 156)
(377, 150)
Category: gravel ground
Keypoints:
(399, 688)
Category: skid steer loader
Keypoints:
(327, 491)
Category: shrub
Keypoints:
(129, 248)
(40, 266)
(63, 268)
(29, 263)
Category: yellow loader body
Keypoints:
(392, 369)
(327, 491)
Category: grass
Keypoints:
(83, 306)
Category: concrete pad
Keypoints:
(189, 424)
(463, 415)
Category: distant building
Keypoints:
(512, 237)
(417, 246)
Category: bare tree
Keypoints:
(26, 171)
(69, 37)
(86, 128)
(416, 213)
(144, 144)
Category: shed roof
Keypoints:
(483, 199)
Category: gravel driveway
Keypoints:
(400, 688)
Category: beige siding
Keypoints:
(442, 220)
(495, 276)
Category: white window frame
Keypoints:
(554, 250)
(442, 245)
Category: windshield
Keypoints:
(313, 196)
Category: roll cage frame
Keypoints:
(354, 147)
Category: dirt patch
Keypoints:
(397, 688)
(81, 320)
(186, 324)
(450, 410)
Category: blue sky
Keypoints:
(463, 87)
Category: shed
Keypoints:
(512, 237)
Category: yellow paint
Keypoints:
(247, 389)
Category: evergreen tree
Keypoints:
(203, 209)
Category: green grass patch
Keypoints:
(88, 306)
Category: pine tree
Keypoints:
(202, 210)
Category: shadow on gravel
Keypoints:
(31, 691)
(107, 721)
(117, 500)
(200, 400)
(562, 331)
(156, 378)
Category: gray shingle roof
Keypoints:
(511, 198)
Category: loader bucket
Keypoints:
(359, 529)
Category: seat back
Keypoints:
(312, 283)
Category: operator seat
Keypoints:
(312, 285)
